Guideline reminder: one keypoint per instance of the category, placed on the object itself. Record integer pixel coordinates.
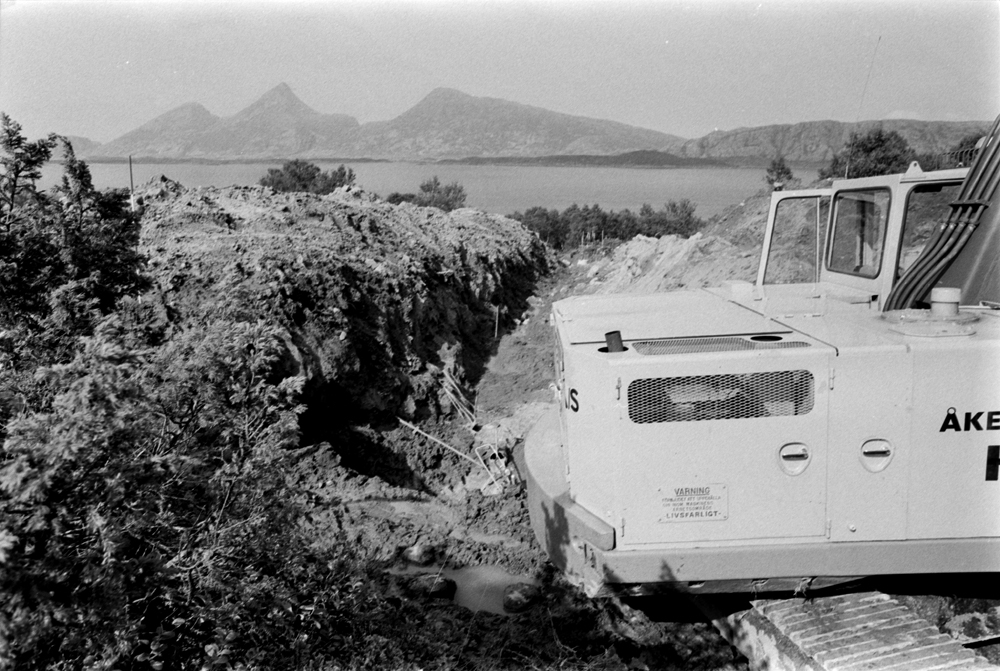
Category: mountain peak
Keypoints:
(279, 100)
(443, 96)
(445, 92)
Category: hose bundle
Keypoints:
(950, 236)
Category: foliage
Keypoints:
(877, 152)
(21, 165)
(962, 154)
(432, 193)
(66, 258)
(299, 175)
(577, 225)
(144, 515)
(778, 175)
(968, 142)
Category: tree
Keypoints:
(302, 176)
(67, 258)
(432, 193)
(877, 152)
(778, 174)
(968, 142)
(547, 223)
(676, 218)
(22, 163)
(577, 225)
(445, 197)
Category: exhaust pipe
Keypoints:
(613, 339)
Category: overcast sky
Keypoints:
(100, 69)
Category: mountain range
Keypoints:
(449, 124)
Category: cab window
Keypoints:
(796, 240)
(859, 222)
(926, 206)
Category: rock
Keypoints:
(520, 596)
(420, 554)
(434, 585)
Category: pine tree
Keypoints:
(778, 174)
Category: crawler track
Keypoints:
(853, 632)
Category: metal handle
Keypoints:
(795, 456)
(876, 452)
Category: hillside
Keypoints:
(816, 142)
(451, 125)
(277, 124)
(447, 123)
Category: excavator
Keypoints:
(835, 419)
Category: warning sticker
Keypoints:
(704, 503)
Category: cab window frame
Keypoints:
(832, 229)
(917, 190)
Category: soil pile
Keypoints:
(728, 248)
(379, 301)
(651, 265)
(391, 313)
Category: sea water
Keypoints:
(493, 188)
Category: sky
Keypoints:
(99, 69)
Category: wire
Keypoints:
(861, 103)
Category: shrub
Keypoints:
(877, 152)
(299, 175)
(144, 515)
(66, 258)
(578, 225)
(778, 174)
(432, 193)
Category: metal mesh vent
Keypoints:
(699, 345)
(735, 396)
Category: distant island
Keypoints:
(451, 126)
(632, 159)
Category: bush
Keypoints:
(66, 258)
(299, 175)
(877, 152)
(145, 515)
(446, 197)
(578, 225)
(778, 175)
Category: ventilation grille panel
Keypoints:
(706, 397)
(700, 345)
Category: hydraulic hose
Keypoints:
(950, 237)
(938, 269)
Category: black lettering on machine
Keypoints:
(982, 420)
(701, 503)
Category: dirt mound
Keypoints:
(389, 311)
(649, 265)
(743, 224)
(377, 299)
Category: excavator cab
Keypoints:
(837, 418)
(878, 228)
